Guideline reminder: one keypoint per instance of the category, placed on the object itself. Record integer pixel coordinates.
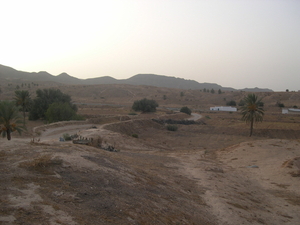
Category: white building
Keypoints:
(291, 110)
(223, 108)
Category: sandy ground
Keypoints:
(250, 183)
(255, 182)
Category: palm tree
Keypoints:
(252, 110)
(9, 119)
(22, 99)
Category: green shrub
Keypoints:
(186, 110)
(132, 114)
(145, 105)
(67, 137)
(135, 135)
(172, 127)
(59, 111)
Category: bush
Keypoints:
(170, 121)
(67, 137)
(135, 135)
(61, 112)
(172, 128)
(279, 104)
(231, 103)
(145, 105)
(186, 110)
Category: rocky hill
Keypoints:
(9, 75)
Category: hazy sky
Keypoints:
(236, 43)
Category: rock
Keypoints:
(214, 169)
(253, 166)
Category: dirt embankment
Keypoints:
(190, 176)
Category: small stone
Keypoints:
(253, 166)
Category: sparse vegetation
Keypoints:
(135, 135)
(280, 105)
(42, 164)
(171, 127)
(170, 121)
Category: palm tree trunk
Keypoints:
(24, 116)
(251, 126)
(8, 133)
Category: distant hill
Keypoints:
(256, 89)
(9, 74)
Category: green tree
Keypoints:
(23, 99)
(186, 110)
(44, 99)
(252, 110)
(145, 105)
(219, 91)
(10, 119)
(59, 111)
(212, 91)
(231, 103)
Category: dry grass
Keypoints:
(42, 164)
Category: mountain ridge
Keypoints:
(9, 74)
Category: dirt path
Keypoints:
(195, 117)
(253, 188)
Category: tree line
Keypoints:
(50, 105)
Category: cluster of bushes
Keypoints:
(170, 121)
(50, 104)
